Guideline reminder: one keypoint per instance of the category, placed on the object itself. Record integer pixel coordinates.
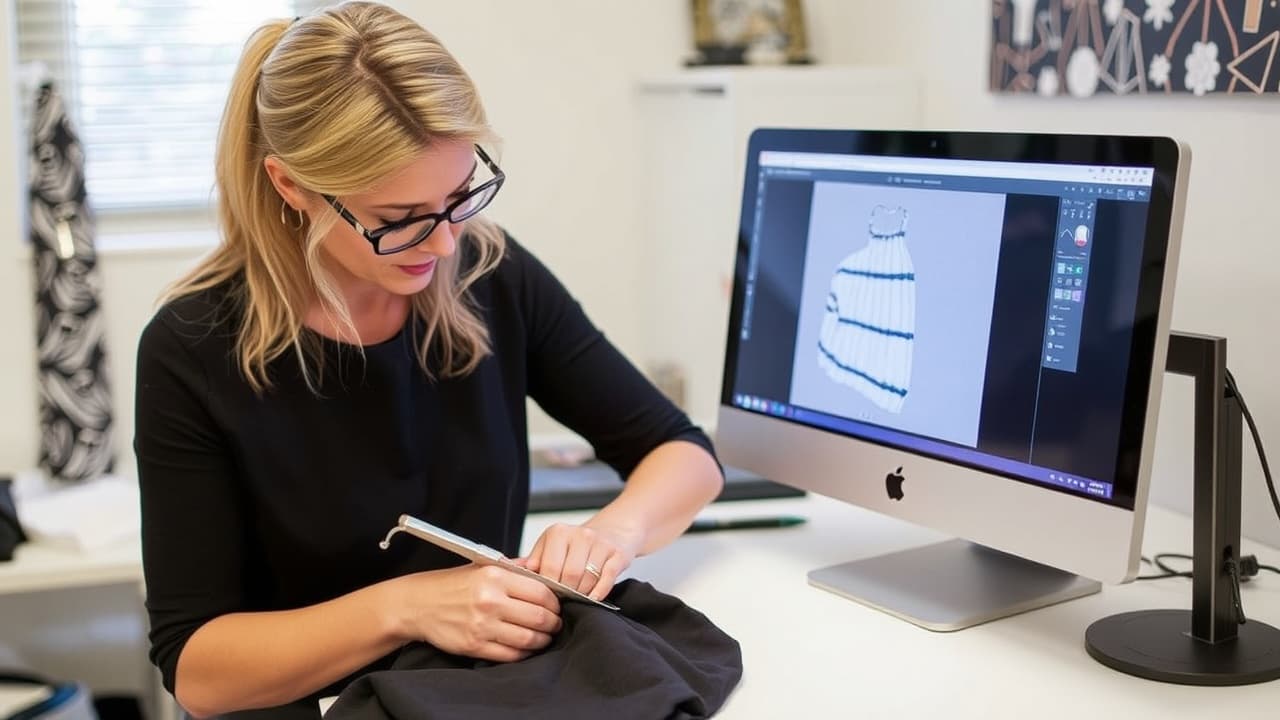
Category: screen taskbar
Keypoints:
(915, 443)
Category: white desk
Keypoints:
(811, 654)
(37, 568)
(80, 616)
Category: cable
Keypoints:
(1165, 570)
(1234, 571)
(1257, 440)
(1248, 569)
(1159, 562)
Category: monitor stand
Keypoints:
(951, 585)
(1212, 643)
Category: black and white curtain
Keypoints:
(75, 401)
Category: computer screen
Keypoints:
(965, 330)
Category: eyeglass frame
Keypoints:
(375, 235)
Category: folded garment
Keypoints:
(84, 517)
(657, 659)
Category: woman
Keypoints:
(361, 345)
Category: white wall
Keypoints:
(1226, 283)
(17, 363)
(555, 78)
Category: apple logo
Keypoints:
(893, 484)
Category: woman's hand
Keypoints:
(478, 611)
(586, 557)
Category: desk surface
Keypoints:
(809, 653)
(36, 567)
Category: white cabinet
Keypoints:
(694, 127)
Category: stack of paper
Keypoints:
(82, 517)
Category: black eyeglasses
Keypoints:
(403, 234)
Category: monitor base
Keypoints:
(951, 585)
(1158, 645)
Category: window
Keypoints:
(145, 82)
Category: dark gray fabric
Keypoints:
(657, 659)
(11, 534)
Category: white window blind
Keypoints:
(145, 82)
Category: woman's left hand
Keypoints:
(585, 557)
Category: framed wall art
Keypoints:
(1082, 48)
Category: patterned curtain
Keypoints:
(75, 401)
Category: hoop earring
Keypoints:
(285, 222)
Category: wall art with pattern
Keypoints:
(1081, 48)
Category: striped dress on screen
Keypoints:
(868, 326)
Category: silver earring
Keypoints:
(285, 222)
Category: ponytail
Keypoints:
(241, 176)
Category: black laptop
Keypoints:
(592, 485)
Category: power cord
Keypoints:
(1245, 570)
(1257, 440)
(1165, 570)
(1249, 567)
(1164, 573)
(1234, 572)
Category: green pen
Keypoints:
(779, 521)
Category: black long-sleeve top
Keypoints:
(275, 501)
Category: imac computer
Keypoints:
(966, 331)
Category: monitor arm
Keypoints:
(1212, 644)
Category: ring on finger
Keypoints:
(592, 569)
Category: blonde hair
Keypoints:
(344, 98)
